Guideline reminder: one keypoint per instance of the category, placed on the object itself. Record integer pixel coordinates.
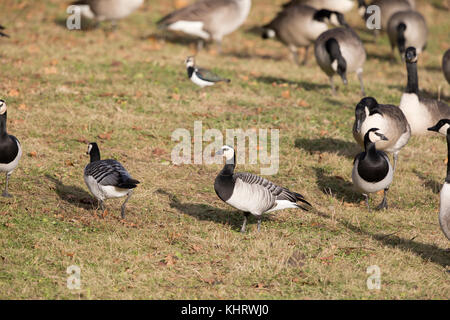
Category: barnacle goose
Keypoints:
(200, 76)
(250, 193)
(107, 178)
(372, 170)
(10, 149)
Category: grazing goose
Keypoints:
(340, 51)
(388, 118)
(10, 149)
(332, 5)
(387, 9)
(1, 33)
(107, 178)
(201, 77)
(421, 113)
(110, 10)
(208, 19)
(299, 26)
(251, 193)
(407, 29)
(372, 170)
(443, 126)
(446, 65)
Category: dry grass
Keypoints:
(129, 91)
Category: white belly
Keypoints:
(9, 167)
(200, 82)
(417, 115)
(104, 192)
(369, 187)
(194, 28)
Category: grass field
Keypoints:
(128, 90)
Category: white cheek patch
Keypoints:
(334, 20)
(190, 27)
(366, 109)
(3, 108)
(362, 11)
(89, 148)
(334, 65)
(373, 137)
(443, 129)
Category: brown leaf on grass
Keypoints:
(302, 103)
(13, 93)
(196, 247)
(82, 140)
(286, 94)
(116, 63)
(259, 285)
(136, 128)
(176, 96)
(210, 281)
(181, 4)
(32, 154)
(69, 163)
(105, 135)
(158, 152)
(23, 106)
(170, 260)
(323, 133)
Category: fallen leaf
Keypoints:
(13, 93)
(302, 103)
(32, 154)
(286, 94)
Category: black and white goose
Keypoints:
(10, 149)
(208, 19)
(421, 113)
(446, 65)
(389, 119)
(342, 6)
(407, 29)
(2, 34)
(107, 179)
(372, 170)
(443, 127)
(200, 76)
(250, 193)
(340, 51)
(299, 26)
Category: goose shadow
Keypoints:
(72, 194)
(174, 38)
(337, 146)
(336, 186)
(85, 24)
(254, 55)
(308, 86)
(433, 185)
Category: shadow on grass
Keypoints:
(308, 86)
(340, 147)
(72, 194)
(336, 186)
(86, 24)
(433, 185)
(384, 57)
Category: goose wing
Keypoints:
(110, 173)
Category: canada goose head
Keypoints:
(411, 55)
(190, 61)
(374, 135)
(363, 109)
(227, 152)
(2, 107)
(338, 63)
(441, 127)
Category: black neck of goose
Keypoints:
(413, 81)
(332, 47)
(369, 146)
(95, 153)
(447, 179)
(3, 124)
(228, 169)
(190, 71)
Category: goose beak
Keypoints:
(435, 129)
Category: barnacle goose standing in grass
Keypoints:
(446, 65)
(372, 170)
(407, 29)
(202, 77)
(107, 178)
(443, 127)
(250, 193)
(299, 26)
(340, 51)
(332, 5)
(208, 19)
(388, 118)
(10, 149)
(421, 113)
(1, 33)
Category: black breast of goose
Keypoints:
(208, 19)
(421, 113)
(112, 10)
(10, 149)
(407, 29)
(342, 6)
(446, 65)
(200, 76)
(299, 26)
(340, 51)
(372, 170)
(389, 119)
(2, 34)
(250, 193)
(107, 179)
(387, 9)
(443, 127)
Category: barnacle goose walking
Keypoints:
(200, 76)
(388, 118)
(443, 127)
(10, 149)
(372, 170)
(250, 193)
(107, 178)
(421, 113)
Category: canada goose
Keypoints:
(107, 179)
(110, 10)
(10, 149)
(387, 9)
(372, 170)
(421, 113)
(208, 19)
(250, 193)
(332, 5)
(407, 29)
(201, 77)
(299, 26)
(340, 51)
(443, 126)
(388, 118)
(1, 33)
(446, 65)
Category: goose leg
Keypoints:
(305, 56)
(333, 89)
(259, 223)
(395, 160)
(383, 204)
(200, 44)
(219, 46)
(359, 73)
(367, 201)
(246, 214)
(102, 207)
(5, 192)
(124, 204)
(294, 52)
